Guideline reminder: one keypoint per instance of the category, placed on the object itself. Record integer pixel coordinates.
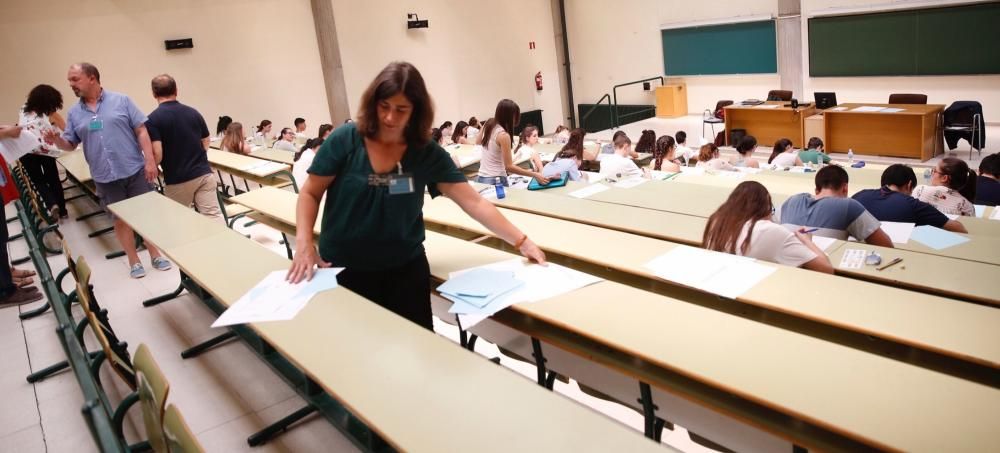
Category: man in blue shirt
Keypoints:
(831, 212)
(987, 185)
(117, 148)
(893, 203)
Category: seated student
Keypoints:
(987, 186)
(663, 155)
(815, 154)
(708, 158)
(300, 127)
(568, 161)
(831, 212)
(953, 184)
(526, 145)
(324, 131)
(619, 166)
(303, 159)
(562, 134)
(893, 203)
(576, 139)
(473, 131)
(233, 141)
(743, 226)
(458, 136)
(446, 131)
(784, 154)
(263, 130)
(286, 140)
(745, 148)
(683, 152)
(220, 127)
(647, 141)
(437, 135)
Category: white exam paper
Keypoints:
(899, 232)
(853, 259)
(823, 242)
(718, 273)
(13, 148)
(867, 108)
(592, 189)
(274, 299)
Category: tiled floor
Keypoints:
(225, 394)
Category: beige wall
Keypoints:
(614, 44)
(474, 53)
(252, 59)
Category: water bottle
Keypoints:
(498, 184)
(927, 176)
(850, 156)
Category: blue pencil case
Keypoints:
(534, 185)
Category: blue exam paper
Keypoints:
(936, 238)
(477, 283)
(477, 306)
(980, 210)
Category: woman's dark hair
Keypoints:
(746, 144)
(323, 129)
(681, 137)
(263, 124)
(646, 142)
(436, 135)
(569, 153)
(779, 147)
(814, 143)
(474, 122)
(310, 144)
(748, 202)
(990, 165)
(281, 134)
(960, 176)
(445, 125)
(459, 131)
(831, 177)
(224, 122)
(507, 115)
(575, 141)
(663, 146)
(898, 175)
(525, 133)
(403, 78)
(43, 100)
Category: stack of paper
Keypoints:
(264, 167)
(718, 273)
(867, 108)
(13, 148)
(496, 286)
(891, 110)
(274, 299)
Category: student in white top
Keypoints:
(708, 158)
(303, 159)
(663, 155)
(784, 154)
(300, 128)
(683, 152)
(618, 166)
(566, 161)
(497, 159)
(745, 147)
(743, 226)
(233, 141)
(562, 134)
(286, 140)
(953, 184)
(263, 130)
(459, 134)
(526, 146)
(473, 131)
(40, 114)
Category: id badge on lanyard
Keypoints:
(400, 183)
(96, 124)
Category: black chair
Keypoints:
(711, 117)
(964, 120)
(907, 98)
(779, 95)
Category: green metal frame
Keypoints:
(614, 111)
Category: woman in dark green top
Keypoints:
(373, 173)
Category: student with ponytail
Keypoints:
(663, 155)
(953, 184)
(745, 147)
(526, 143)
(784, 154)
(498, 159)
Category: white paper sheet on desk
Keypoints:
(274, 299)
(267, 168)
(823, 242)
(540, 283)
(630, 183)
(853, 259)
(867, 108)
(891, 110)
(592, 189)
(899, 232)
(14, 148)
(996, 213)
(836, 109)
(718, 273)
(767, 106)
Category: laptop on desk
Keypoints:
(825, 100)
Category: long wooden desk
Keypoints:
(768, 125)
(951, 277)
(914, 132)
(739, 357)
(419, 391)
(244, 167)
(274, 155)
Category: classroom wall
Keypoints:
(474, 53)
(252, 59)
(620, 43)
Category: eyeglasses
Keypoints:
(935, 170)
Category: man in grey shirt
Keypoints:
(117, 148)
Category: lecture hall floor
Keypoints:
(225, 394)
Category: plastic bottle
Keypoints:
(927, 176)
(498, 184)
(850, 156)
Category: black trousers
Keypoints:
(404, 290)
(7, 286)
(45, 175)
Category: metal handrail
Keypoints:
(614, 109)
(583, 119)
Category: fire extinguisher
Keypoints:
(538, 81)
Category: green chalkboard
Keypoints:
(931, 41)
(744, 48)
